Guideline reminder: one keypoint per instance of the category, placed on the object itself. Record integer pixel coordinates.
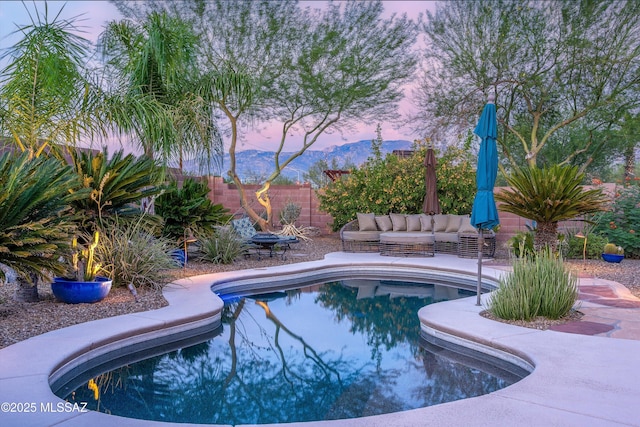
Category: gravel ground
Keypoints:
(23, 320)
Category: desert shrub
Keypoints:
(521, 244)
(223, 247)
(290, 213)
(620, 223)
(539, 285)
(394, 184)
(575, 245)
(130, 253)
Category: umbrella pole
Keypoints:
(480, 245)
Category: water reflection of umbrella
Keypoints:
(431, 203)
(484, 214)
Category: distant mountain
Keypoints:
(255, 163)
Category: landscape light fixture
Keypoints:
(584, 248)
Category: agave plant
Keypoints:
(548, 196)
(36, 224)
(117, 185)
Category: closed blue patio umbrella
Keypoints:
(484, 214)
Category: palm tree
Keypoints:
(548, 196)
(36, 225)
(47, 99)
(155, 61)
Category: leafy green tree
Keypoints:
(553, 66)
(393, 184)
(621, 222)
(312, 71)
(187, 209)
(36, 222)
(548, 196)
(316, 176)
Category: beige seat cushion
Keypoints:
(361, 236)
(446, 237)
(406, 237)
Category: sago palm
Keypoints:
(36, 227)
(117, 185)
(548, 196)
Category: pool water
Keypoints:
(337, 350)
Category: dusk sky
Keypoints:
(95, 14)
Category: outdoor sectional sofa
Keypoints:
(415, 235)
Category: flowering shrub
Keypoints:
(621, 223)
(393, 184)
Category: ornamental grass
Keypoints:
(539, 285)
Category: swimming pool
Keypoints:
(338, 350)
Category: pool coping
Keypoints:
(578, 380)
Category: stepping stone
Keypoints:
(582, 328)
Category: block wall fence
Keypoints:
(305, 197)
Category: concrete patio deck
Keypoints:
(586, 374)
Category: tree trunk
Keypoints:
(546, 236)
(629, 163)
(27, 291)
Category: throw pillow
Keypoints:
(367, 222)
(453, 224)
(466, 227)
(425, 222)
(440, 222)
(413, 223)
(399, 222)
(384, 223)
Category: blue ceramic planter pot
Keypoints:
(179, 256)
(76, 292)
(612, 257)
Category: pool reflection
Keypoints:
(332, 351)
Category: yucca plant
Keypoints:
(117, 185)
(36, 222)
(548, 196)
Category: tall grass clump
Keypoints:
(223, 247)
(538, 286)
(131, 254)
